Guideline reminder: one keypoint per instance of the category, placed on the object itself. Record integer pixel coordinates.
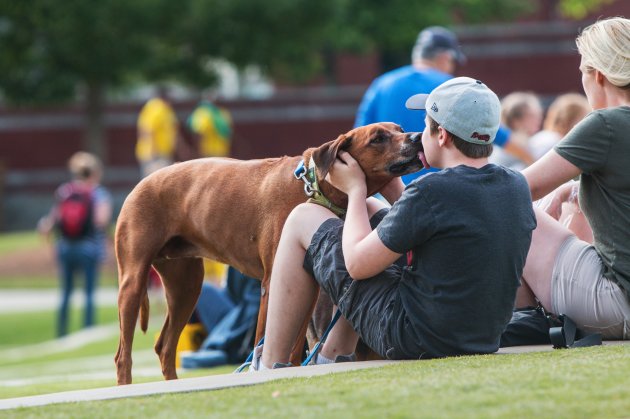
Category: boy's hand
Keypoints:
(346, 174)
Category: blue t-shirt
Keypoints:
(384, 101)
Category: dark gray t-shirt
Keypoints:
(469, 230)
(600, 147)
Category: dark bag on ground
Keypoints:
(231, 340)
(533, 326)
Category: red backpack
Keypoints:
(74, 210)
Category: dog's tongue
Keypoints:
(423, 159)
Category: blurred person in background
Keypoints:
(522, 113)
(434, 59)
(79, 218)
(563, 113)
(158, 134)
(212, 127)
(158, 138)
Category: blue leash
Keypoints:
(324, 336)
(310, 356)
(249, 359)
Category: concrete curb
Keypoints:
(213, 382)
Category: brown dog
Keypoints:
(231, 211)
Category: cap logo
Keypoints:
(434, 107)
(482, 137)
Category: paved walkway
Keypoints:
(20, 300)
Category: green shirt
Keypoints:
(600, 147)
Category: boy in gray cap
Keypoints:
(438, 274)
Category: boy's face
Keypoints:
(430, 145)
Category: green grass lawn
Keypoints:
(18, 329)
(589, 382)
(11, 242)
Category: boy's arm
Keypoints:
(364, 253)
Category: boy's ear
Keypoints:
(443, 136)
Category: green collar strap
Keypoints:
(311, 188)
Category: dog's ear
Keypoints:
(325, 155)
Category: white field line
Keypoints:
(108, 374)
(70, 342)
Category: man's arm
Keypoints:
(366, 111)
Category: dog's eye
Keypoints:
(379, 139)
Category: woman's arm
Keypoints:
(102, 211)
(548, 173)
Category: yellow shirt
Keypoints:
(157, 131)
(213, 143)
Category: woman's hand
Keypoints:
(346, 175)
(552, 203)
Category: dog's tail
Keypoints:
(144, 313)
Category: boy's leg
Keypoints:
(292, 290)
(547, 238)
(343, 339)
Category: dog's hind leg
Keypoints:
(132, 292)
(182, 279)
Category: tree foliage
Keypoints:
(50, 48)
(578, 9)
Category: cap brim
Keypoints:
(418, 102)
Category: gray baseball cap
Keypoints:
(464, 107)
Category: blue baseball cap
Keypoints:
(436, 39)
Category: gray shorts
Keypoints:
(580, 290)
(372, 306)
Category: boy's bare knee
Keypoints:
(305, 219)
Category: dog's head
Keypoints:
(382, 150)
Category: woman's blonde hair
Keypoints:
(84, 165)
(566, 111)
(605, 46)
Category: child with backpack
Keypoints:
(79, 218)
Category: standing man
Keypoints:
(434, 59)
(158, 132)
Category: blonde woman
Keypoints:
(590, 284)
